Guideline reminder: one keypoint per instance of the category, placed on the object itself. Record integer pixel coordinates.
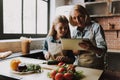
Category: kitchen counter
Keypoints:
(18, 54)
(112, 60)
(113, 51)
(90, 74)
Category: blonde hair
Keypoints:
(82, 11)
(59, 19)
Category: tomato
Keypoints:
(68, 76)
(53, 73)
(61, 69)
(59, 76)
(60, 63)
(71, 68)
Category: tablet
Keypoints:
(72, 44)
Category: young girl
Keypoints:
(52, 46)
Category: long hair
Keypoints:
(82, 11)
(59, 19)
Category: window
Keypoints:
(12, 16)
(29, 16)
(24, 18)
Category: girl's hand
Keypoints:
(47, 55)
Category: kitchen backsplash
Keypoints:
(111, 26)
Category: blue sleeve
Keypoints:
(45, 46)
(100, 40)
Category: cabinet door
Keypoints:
(113, 61)
(97, 8)
(115, 7)
(103, 8)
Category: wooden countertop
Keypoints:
(113, 51)
(90, 74)
(18, 54)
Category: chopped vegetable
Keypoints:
(29, 67)
(67, 72)
(51, 62)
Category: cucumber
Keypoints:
(51, 62)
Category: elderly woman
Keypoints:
(94, 48)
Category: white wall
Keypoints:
(53, 5)
(59, 3)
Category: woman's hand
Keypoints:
(86, 44)
(47, 55)
(60, 58)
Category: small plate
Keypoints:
(17, 72)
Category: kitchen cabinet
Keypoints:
(113, 58)
(115, 8)
(103, 8)
(98, 8)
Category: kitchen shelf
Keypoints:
(115, 7)
(96, 8)
(111, 29)
(95, 2)
(116, 30)
(110, 15)
(103, 8)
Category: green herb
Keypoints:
(33, 67)
(79, 75)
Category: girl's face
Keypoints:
(61, 29)
(78, 18)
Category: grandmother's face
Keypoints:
(78, 18)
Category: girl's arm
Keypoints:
(45, 50)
